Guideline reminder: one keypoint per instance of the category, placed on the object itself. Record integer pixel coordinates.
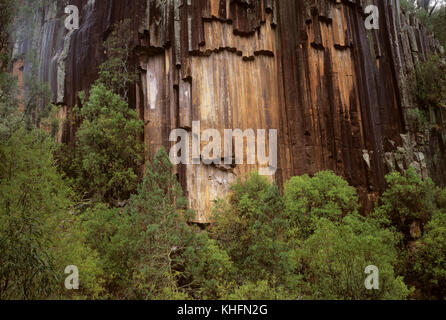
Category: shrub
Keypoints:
(430, 258)
(326, 195)
(260, 290)
(250, 227)
(109, 149)
(39, 234)
(333, 260)
(407, 200)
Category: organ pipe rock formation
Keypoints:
(337, 93)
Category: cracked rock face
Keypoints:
(336, 92)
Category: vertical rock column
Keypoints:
(213, 62)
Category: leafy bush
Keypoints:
(430, 258)
(30, 191)
(415, 209)
(39, 235)
(334, 258)
(208, 270)
(407, 201)
(148, 250)
(260, 290)
(109, 149)
(158, 216)
(326, 195)
(250, 228)
(141, 246)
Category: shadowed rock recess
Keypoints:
(338, 94)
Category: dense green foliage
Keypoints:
(430, 258)
(323, 196)
(39, 236)
(255, 249)
(415, 210)
(7, 10)
(407, 200)
(109, 151)
(311, 243)
(148, 250)
(334, 258)
(251, 229)
(141, 246)
(25, 206)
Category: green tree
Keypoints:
(407, 208)
(7, 10)
(260, 290)
(158, 213)
(31, 191)
(117, 73)
(109, 150)
(333, 260)
(8, 85)
(307, 199)
(143, 247)
(407, 205)
(69, 248)
(102, 225)
(208, 270)
(250, 227)
(39, 235)
(430, 258)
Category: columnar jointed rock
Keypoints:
(336, 92)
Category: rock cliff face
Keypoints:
(337, 93)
